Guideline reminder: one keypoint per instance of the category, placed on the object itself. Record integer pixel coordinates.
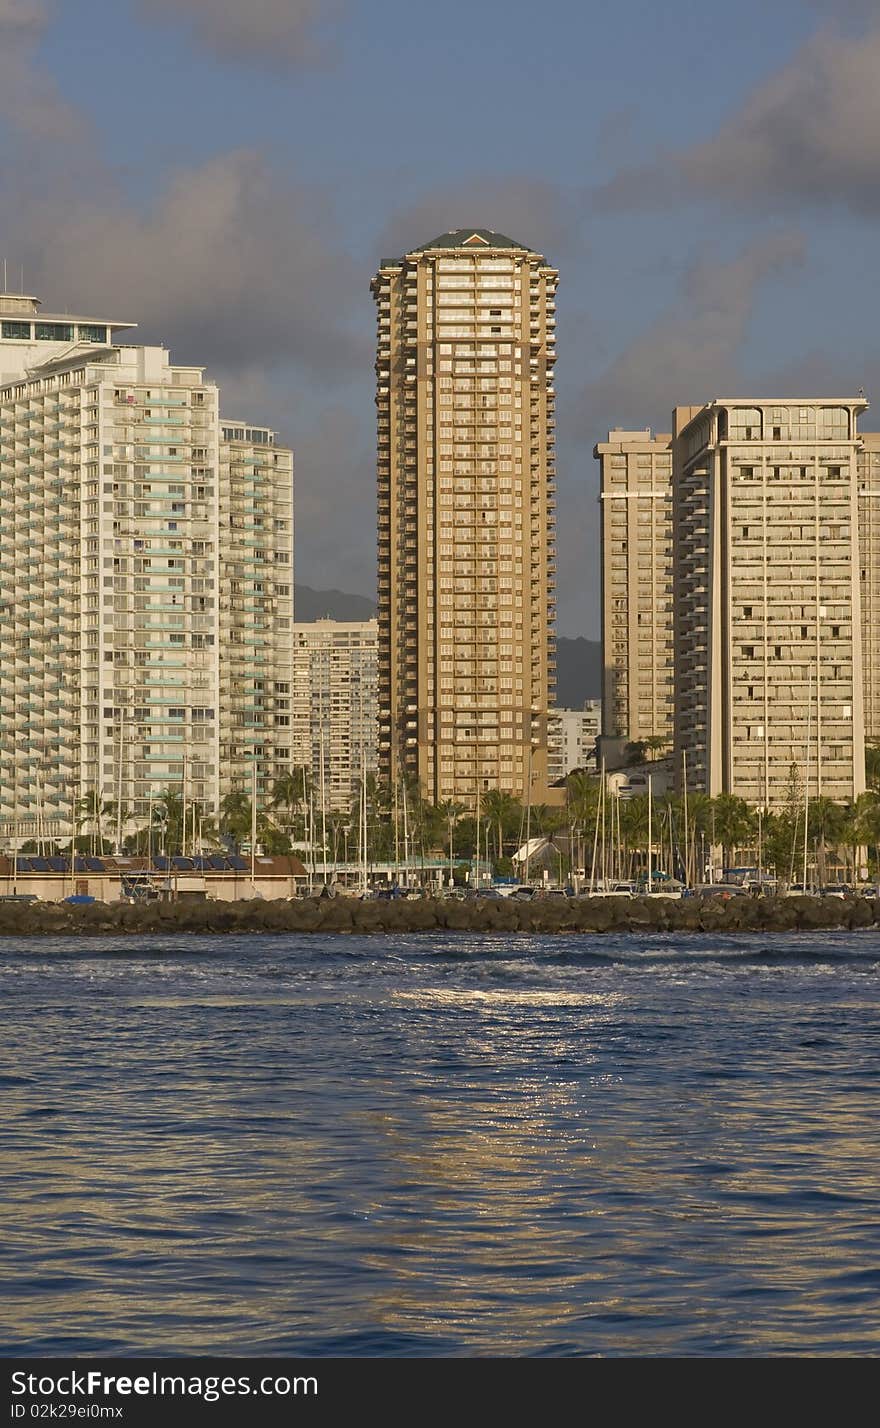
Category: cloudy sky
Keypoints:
(228, 173)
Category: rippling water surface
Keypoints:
(436, 1145)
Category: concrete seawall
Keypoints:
(349, 915)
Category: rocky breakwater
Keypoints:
(350, 915)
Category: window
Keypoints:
(53, 332)
(835, 632)
(91, 332)
(19, 330)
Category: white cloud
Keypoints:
(29, 101)
(532, 211)
(282, 34)
(691, 354)
(228, 267)
(807, 137)
(22, 17)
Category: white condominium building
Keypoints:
(768, 619)
(111, 554)
(334, 707)
(637, 580)
(256, 609)
(573, 735)
(466, 346)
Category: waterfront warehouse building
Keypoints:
(637, 585)
(334, 708)
(769, 653)
(466, 346)
(119, 530)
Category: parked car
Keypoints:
(725, 891)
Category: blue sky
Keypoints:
(229, 175)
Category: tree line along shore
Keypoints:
(343, 915)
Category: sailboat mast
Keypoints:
(528, 807)
(596, 835)
(687, 846)
(604, 840)
(254, 824)
(323, 792)
(807, 770)
(650, 831)
(405, 839)
(119, 784)
(364, 818)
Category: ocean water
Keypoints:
(441, 1145)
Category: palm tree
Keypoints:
(872, 765)
(169, 810)
(867, 816)
(289, 791)
(451, 811)
(582, 794)
(699, 828)
(634, 827)
(827, 823)
(733, 823)
(235, 815)
(500, 808)
(118, 813)
(93, 808)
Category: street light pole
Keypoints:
(254, 825)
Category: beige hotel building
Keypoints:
(741, 594)
(771, 561)
(869, 576)
(466, 344)
(636, 531)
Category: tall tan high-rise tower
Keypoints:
(637, 574)
(466, 482)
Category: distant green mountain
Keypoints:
(578, 661)
(311, 605)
